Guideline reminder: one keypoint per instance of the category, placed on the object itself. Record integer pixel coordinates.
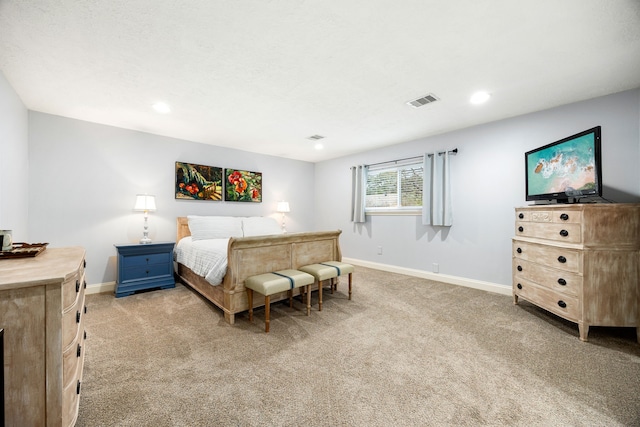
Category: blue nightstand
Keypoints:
(144, 266)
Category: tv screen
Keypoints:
(568, 168)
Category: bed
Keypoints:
(249, 254)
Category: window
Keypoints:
(396, 188)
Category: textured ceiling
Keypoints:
(264, 75)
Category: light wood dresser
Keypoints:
(42, 310)
(580, 262)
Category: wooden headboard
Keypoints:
(183, 228)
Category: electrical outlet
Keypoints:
(379, 250)
(436, 267)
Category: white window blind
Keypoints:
(395, 187)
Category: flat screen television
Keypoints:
(567, 170)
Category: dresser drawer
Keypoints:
(144, 260)
(549, 216)
(561, 304)
(568, 233)
(70, 402)
(71, 321)
(551, 278)
(71, 288)
(550, 256)
(144, 272)
(72, 359)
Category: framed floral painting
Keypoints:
(198, 182)
(242, 186)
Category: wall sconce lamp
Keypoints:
(145, 203)
(283, 207)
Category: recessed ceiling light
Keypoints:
(480, 97)
(162, 107)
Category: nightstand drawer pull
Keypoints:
(562, 304)
(562, 282)
(519, 286)
(564, 217)
(519, 268)
(564, 233)
(562, 259)
(519, 250)
(521, 229)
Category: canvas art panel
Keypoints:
(242, 186)
(198, 182)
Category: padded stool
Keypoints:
(271, 283)
(328, 270)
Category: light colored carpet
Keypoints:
(404, 351)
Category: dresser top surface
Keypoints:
(52, 265)
(581, 206)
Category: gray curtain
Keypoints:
(358, 192)
(436, 190)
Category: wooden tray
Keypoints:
(23, 250)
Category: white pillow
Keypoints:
(260, 226)
(214, 227)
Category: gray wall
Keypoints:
(14, 163)
(487, 183)
(84, 178)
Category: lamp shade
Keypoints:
(283, 207)
(145, 202)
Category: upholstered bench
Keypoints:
(271, 283)
(328, 270)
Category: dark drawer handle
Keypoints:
(564, 233)
(521, 215)
(519, 268)
(77, 317)
(85, 309)
(78, 388)
(79, 351)
(85, 284)
(521, 229)
(77, 286)
(562, 282)
(519, 286)
(85, 335)
(564, 217)
(562, 304)
(519, 250)
(562, 259)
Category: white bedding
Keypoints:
(206, 258)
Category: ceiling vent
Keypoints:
(427, 99)
(315, 137)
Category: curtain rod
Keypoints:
(454, 151)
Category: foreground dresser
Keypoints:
(42, 312)
(580, 262)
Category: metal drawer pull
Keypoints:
(564, 233)
(79, 351)
(519, 250)
(562, 259)
(562, 282)
(564, 217)
(519, 286)
(77, 317)
(519, 268)
(521, 229)
(562, 304)
(77, 286)
(521, 215)
(78, 388)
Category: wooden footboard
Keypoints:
(248, 256)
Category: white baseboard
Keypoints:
(101, 288)
(454, 280)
